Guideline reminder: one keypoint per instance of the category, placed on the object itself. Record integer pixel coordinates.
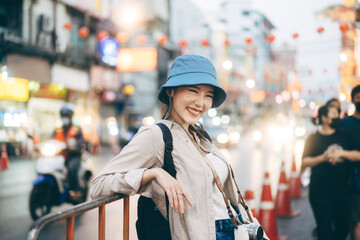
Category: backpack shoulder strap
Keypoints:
(168, 159)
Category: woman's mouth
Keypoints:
(193, 111)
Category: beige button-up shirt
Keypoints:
(123, 174)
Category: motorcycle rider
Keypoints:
(73, 137)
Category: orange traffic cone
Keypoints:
(250, 200)
(295, 182)
(267, 217)
(283, 203)
(4, 158)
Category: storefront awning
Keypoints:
(71, 78)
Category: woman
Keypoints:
(194, 199)
(328, 183)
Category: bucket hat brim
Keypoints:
(191, 79)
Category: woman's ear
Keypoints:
(170, 92)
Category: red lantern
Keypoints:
(163, 40)
(101, 35)
(205, 43)
(248, 40)
(270, 38)
(295, 35)
(227, 42)
(141, 40)
(83, 32)
(183, 43)
(320, 30)
(344, 27)
(122, 37)
(68, 25)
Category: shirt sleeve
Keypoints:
(308, 148)
(123, 174)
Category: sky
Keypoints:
(314, 51)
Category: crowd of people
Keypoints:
(333, 153)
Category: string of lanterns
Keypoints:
(122, 37)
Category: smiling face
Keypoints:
(190, 103)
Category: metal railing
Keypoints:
(70, 213)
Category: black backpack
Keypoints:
(151, 225)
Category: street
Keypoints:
(249, 163)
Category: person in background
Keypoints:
(328, 183)
(351, 127)
(73, 137)
(335, 103)
(197, 209)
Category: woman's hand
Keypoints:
(175, 192)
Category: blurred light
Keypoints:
(342, 97)
(351, 110)
(277, 146)
(216, 121)
(257, 136)
(250, 83)
(227, 65)
(286, 95)
(49, 150)
(222, 138)
(114, 131)
(278, 99)
(292, 122)
(60, 86)
(212, 113)
(58, 123)
(225, 119)
(272, 131)
(148, 120)
(4, 73)
(300, 131)
(129, 16)
(281, 117)
(302, 103)
(88, 120)
(234, 137)
(343, 57)
(295, 94)
(312, 105)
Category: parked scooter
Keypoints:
(50, 187)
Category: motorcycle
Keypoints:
(50, 186)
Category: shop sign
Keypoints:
(14, 89)
(70, 77)
(104, 78)
(137, 59)
(109, 50)
(31, 68)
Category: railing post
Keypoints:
(102, 222)
(126, 218)
(70, 227)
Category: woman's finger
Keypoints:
(187, 197)
(175, 199)
(181, 201)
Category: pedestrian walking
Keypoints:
(201, 198)
(351, 126)
(328, 193)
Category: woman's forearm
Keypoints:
(312, 161)
(352, 155)
(149, 175)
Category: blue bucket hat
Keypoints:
(188, 70)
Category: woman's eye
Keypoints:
(210, 96)
(191, 90)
